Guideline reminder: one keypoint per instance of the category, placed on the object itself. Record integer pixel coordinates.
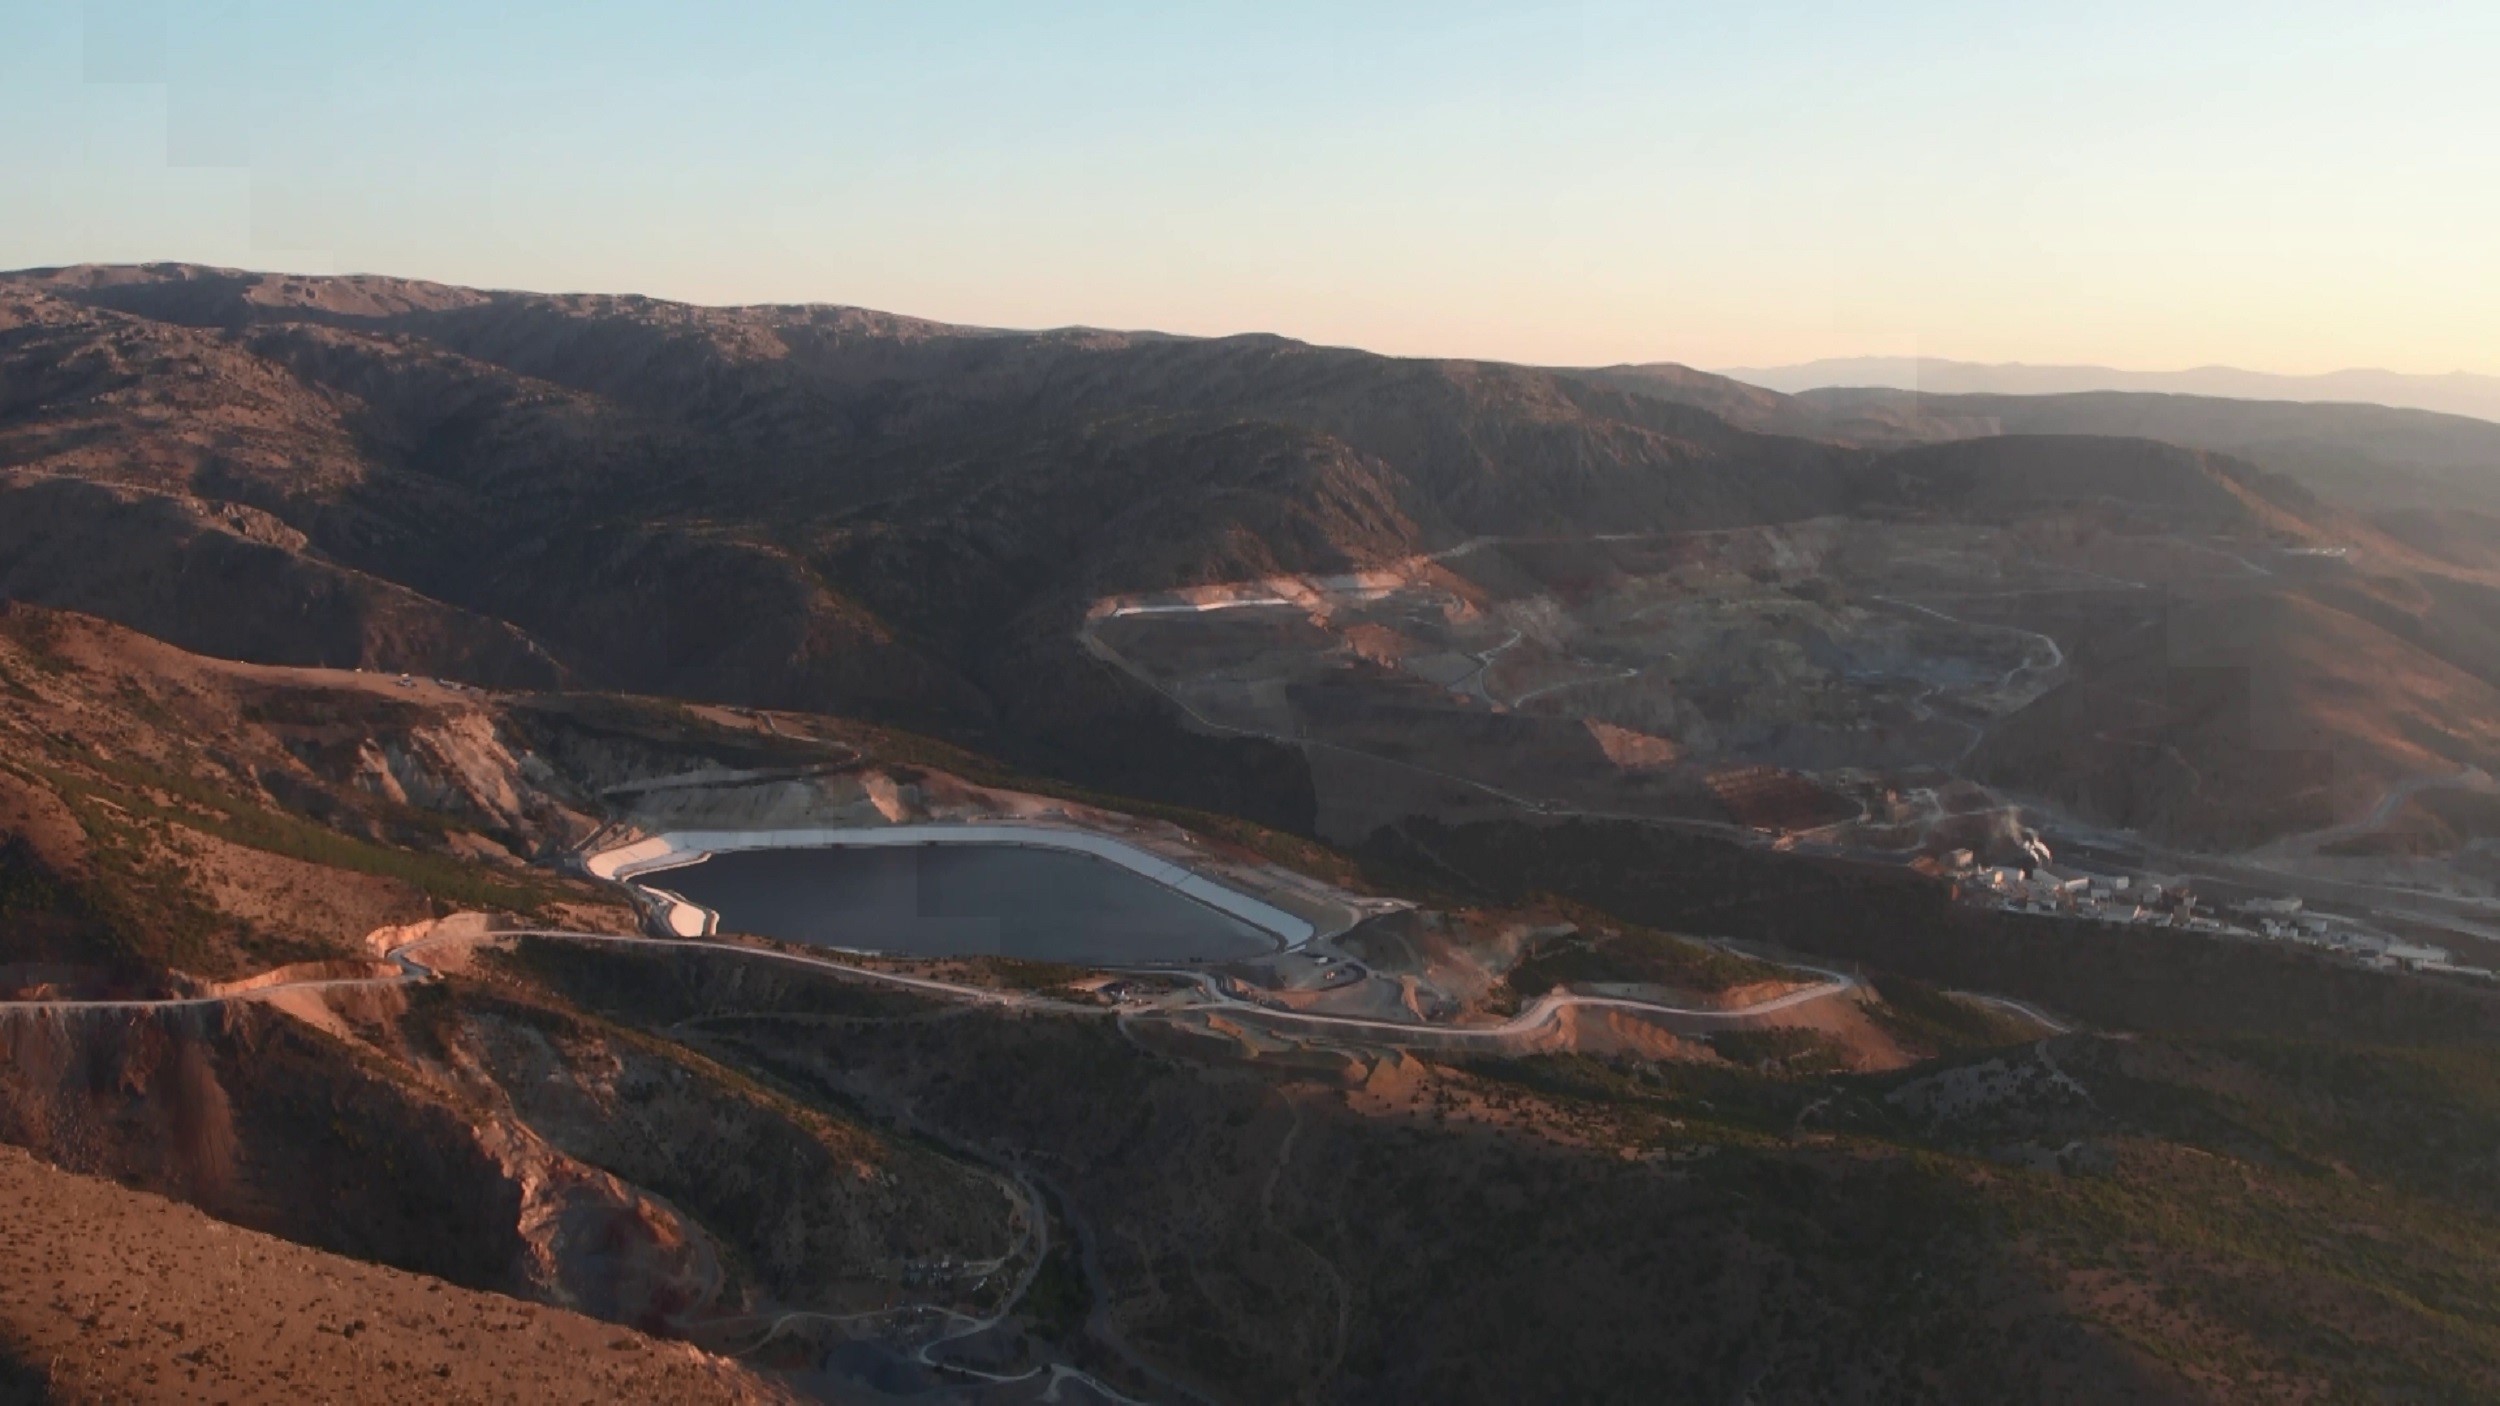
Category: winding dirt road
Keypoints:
(1545, 1011)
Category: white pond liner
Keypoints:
(676, 849)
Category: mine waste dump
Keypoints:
(963, 900)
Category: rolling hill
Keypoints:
(527, 502)
(848, 511)
(2457, 393)
(804, 506)
(2395, 455)
(514, 1179)
(2370, 456)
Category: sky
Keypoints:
(2287, 186)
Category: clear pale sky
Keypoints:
(2285, 186)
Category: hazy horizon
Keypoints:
(1770, 377)
(2289, 190)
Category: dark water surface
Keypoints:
(962, 900)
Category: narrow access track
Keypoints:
(2023, 1010)
(2469, 779)
(1545, 1011)
(1621, 672)
(1476, 682)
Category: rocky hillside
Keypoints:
(174, 829)
(837, 510)
(197, 1309)
(762, 1160)
(815, 507)
(364, 564)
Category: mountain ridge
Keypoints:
(847, 511)
(620, 513)
(2453, 392)
(824, 506)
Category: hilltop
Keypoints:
(839, 510)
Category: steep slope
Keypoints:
(172, 811)
(2230, 720)
(2082, 1219)
(2316, 665)
(235, 581)
(816, 1174)
(198, 1310)
(174, 828)
(799, 506)
(833, 509)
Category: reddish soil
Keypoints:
(1776, 801)
(119, 1295)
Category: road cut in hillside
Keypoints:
(413, 951)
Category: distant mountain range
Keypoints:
(2457, 393)
(2378, 458)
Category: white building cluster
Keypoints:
(2117, 898)
(2121, 898)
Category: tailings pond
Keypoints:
(962, 900)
